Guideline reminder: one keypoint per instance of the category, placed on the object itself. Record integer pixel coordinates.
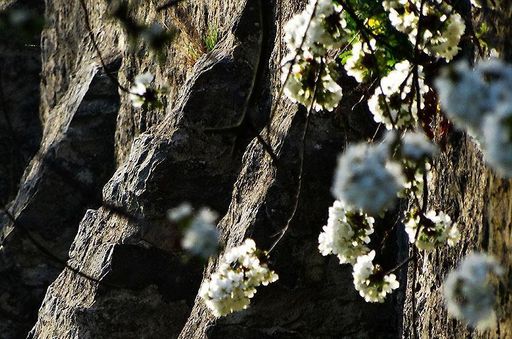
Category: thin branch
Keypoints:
(298, 51)
(366, 37)
(98, 51)
(301, 164)
(79, 186)
(400, 265)
(413, 290)
(250, 96)
(46, 251)
(387, 233)
(15, 144)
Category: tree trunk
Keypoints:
(98, 187)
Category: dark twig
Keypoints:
(44, 250)
(98, 51)
(366, 33)
(413, 290)
(289, 72)
(400, 265)
(250, 97)
(301, 164)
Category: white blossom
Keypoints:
(435, 229)
(201, 237)
(467, 95)
(366, 179)
(445, 45)
(139, 90)
(354, 65)
(300, 85)
(325, 29)
(416, 151)
(497, 135)
(416, 146)
(234, 283)
(396, 96)
(440, 38)
(477, 3)
(469, 291)
(414, 185)
(370, 282)
(177, 214)
(346, 234)
(480, 101)
(463, 96)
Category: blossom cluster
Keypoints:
(355, 65)
(303, 86)
(369, 280)
(367, 179)
(416, 147)
(442, 28)
(201, 237)
(394, 101)
(479, 101)
(309, 35)
(417, 153)
(317, 29)
(365, 182)
(431, 230)
(240, 271)
(346, 234)
(469, 290)
(142, 93)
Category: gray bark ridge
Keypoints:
(179, 159)
(77, 149)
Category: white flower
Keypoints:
(354, 64)
(365, 178)
(477, 3)
(325, 29)
(300, 85)
(240, 272)
(434, 230)
(446, 44)
(497, 136)
(201, 236)
(395, 96)
(463, 96)
(414, 184)
(371, 284)
(140, 89)
(442, 35)
(177, 214)
(467, 96)
(416, 146)
(469, 292)
(346, 234)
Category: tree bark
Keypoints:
(97, 189)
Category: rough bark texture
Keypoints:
(481, 203)
(20, 128)
(97, 190)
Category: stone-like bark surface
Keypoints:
(481, 203)
(145, 290)
(177, 160)
(80, 153)
(134, 281)
(20, 128)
